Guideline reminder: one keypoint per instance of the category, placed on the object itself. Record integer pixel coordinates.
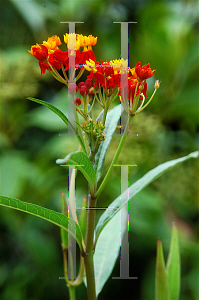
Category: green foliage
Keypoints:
(173, 266)
(161, 282)
(110, 126)
(82, 163)
(138, 186)
(167, 280)
(166, 37)
(44, 213)
(83, 218)
(62, 116)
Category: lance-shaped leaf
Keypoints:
(161, 282)
(63, 117)
(46, 214)
(110, 126)
(82, 163)
(137, 187)
(173, 266)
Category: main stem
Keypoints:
(72, 292)
(88, 259)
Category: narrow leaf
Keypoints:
(44, 213)
(137, 187)
(82, 163)
(173, 266)
(110, 126)
(63, 117)
(161, 282)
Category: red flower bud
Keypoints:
(89, 82)
(83, 90)
(80, 84)
(77, 101)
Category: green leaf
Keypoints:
(44, 213)
(138, 186)
(106, 252)
(161, 282)
(63, 117)
(83, 217)
(173, 266)
(85, 166)
(110, 126)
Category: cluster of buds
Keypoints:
(83, 87)
(95, 133)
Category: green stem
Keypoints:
(91, 106)
(140, 109)
(72, 292)
(88, 258)
(105, 111)
(56, 74)
(104, 182)
(64, 72)
(79, 74)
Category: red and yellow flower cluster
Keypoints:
(108, 75)
(50, 56)
(115, 77)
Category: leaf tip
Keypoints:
(173, 224)
(159, 241)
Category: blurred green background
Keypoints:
(166, 36)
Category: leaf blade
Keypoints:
(85, 166)
(43, 213)
(173, 266)
(110, 126)
(138, 186)
(161, 281)
(62, 116)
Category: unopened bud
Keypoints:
(157, 84)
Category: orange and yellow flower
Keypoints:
(52, 43)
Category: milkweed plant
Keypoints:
(106, 83)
